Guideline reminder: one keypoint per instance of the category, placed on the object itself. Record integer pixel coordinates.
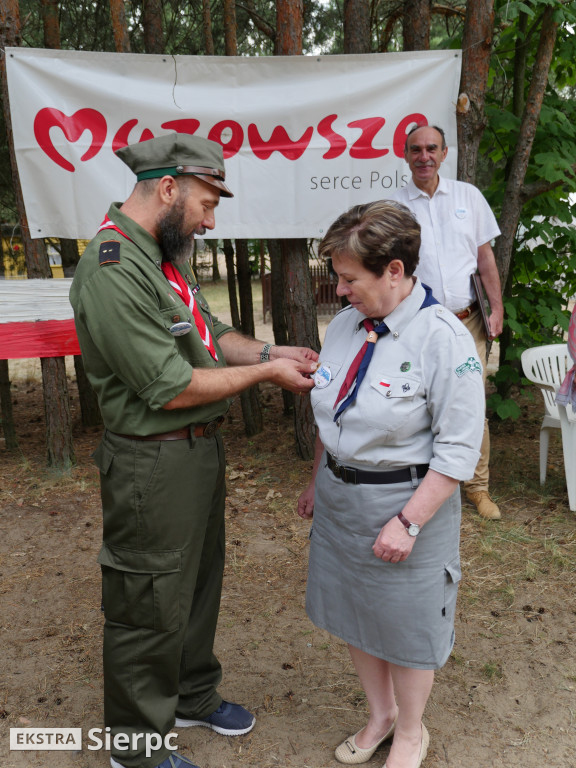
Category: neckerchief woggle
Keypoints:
(566, 395)
(359, 365)
(177, 282)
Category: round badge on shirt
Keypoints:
(323, 376)
(179, 329)
(461, 213)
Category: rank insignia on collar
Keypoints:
(470, 366)
(405, 367)
(109, 252)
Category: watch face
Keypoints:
(414, 529)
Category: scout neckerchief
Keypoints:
(360, 364)
(566, 395)
(178, 283)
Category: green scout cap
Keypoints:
(177, 154)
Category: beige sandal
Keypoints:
(350, 753)
(423, 747)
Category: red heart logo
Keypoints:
(72, 128)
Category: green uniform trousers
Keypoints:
(162, 563)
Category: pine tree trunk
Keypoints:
(6, 407)
(119, 26)
(302, 331)
(57, 415)
(152, 24)
(215, 265)
(230, 42)
(56, 405)
(89, 408)
(279, 325)
(251, 409)
(357, 26)
(299, 306)
(470, 117)
(513, 196)
(207, 28)
(231, 280)
(51, 23)
(416, 25)
(70, 255)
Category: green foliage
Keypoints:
(542, 278)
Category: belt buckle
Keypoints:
(211, 428)
(348, 475)
(336, 469)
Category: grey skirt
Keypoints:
(400, 612)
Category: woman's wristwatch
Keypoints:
(412, 528)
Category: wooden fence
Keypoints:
(323, 288)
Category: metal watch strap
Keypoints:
(265, 354)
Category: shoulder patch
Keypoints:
(469, 366)
(109, 252)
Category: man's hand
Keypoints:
(306, 502)
(495, 323)
(291, 374)
(301, 354)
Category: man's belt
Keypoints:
(194, 430)
(357, 476)
(462, 314)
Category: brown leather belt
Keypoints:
(464, 313)
(195, 430)
(361, 476)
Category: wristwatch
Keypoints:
(412, 528)
(265, 354)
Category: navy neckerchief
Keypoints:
(359, 366)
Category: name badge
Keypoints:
(323, 376)
(180, 329)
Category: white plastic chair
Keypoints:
(546, 367)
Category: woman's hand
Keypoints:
(306, 502)
(393, 543)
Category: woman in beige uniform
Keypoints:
(399, 427)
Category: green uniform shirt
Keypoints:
(124, 308)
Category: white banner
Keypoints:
(304, 137)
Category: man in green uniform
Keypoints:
(164, 371)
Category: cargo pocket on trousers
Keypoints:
(141, 589)
(103, 457)
(452, 576)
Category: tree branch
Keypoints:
(536, 188)
(259, 22)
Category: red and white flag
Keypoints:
(36, 319)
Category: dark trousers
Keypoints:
(162, 563)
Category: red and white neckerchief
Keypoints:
(177, 282)
(109, 224)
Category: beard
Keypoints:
(176, 244)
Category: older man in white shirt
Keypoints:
(457, 229)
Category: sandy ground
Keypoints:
(505, 699)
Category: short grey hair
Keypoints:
(375, 234)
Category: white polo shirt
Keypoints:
(455, 221)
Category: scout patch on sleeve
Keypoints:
(470, 366)
(109, 252)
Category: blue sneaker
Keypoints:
(172, 761)
(229, 720)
